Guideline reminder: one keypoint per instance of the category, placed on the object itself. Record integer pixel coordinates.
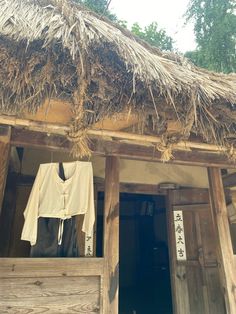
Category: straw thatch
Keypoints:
(56, 49)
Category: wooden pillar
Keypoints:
(111, 236)
(5, 135)
(226, 259)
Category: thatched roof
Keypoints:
(54, 48)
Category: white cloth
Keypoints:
(54, 198)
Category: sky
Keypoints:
(168, 14)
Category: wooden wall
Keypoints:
(51, 286)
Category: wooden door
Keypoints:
(195, 276)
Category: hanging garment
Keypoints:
(53, 197)
(56, 237)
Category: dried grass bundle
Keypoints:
(54, 48)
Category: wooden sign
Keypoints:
(179, 235)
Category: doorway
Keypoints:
(144, 272)
(144, 262)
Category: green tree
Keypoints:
(99, 6)
(153, 35)
(215, 32)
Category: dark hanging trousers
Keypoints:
(47, 238)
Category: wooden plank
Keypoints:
(202, 269)
(5, 136)
(224, 245)
(50, 295)
(215, 297)
(190, 235)
(102, 147)
(194, 196)
(182, 291)
(207, 238)
(50, 267)
(196, 298)
(111, 236)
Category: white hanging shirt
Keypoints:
(55, 198)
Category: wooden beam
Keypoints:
(227, 261)
(104, 147)
(5, 135)
(53, 128)
(229, 180)
(26, 138)
(111, 236)
(50, 267)
(131, 187)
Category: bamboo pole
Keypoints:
(52, 128)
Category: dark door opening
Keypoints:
(144, 263)
(144, 274)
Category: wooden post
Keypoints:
(179, 284)
(5, 135)
(227, 261)
(111, 236)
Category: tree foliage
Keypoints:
(215, 33)
(99, 6)
(151, 33)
